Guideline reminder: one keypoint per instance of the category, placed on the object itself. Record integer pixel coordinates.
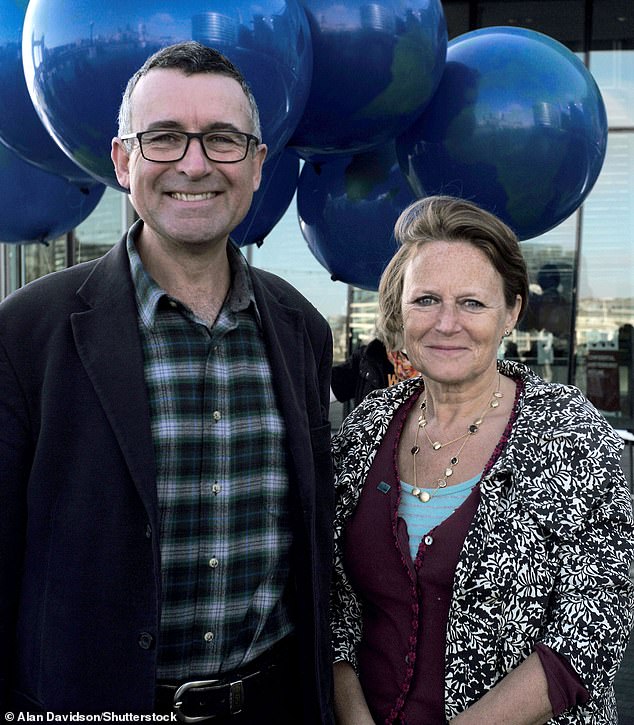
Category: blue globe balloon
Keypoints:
(20, 126)
(78, 57)
(517, 125)
(279, 183)
(376, 66)
(347, 209)
(36, 206)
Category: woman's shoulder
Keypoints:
(382, 401)
(563, 456)
(366, 424)
(549, 410)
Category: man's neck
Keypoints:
(199, 278)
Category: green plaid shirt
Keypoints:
(222, 482)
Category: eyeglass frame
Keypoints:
(190, 135)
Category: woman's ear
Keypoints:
(514, 313)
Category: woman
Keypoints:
(484, 528)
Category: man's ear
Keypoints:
(121, 161)
(260, 156)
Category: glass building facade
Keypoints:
(582, 272)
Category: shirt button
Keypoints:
(208, 636)
(173, 303)
(216, 488)
(216, 415)
(146, 640)
(429, 540)
(148, 532)
(213, 562)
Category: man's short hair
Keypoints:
(189, 58)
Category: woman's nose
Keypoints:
(447, 320)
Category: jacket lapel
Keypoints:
(283, 330)
(109, 346)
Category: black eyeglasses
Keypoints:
(222, 147)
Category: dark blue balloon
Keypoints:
(20, 127)
(78, 57)
(376, 66)
(347, 209)
(517, 125)
(36, 206)
(271, 200)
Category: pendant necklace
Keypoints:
(425, 496)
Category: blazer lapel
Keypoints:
(283, 333)
(109, 346)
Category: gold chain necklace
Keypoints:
(425, 496)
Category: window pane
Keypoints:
(542, 338)
(103, 228)
(40, 259)
(362, 314)
(614, 73)
(606, 284)
(10, 268)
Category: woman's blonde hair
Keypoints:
(447, 219)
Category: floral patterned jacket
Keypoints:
(547, 556)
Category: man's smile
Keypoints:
(182, 196)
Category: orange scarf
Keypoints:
(402, 367)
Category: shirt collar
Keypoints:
(149, 294)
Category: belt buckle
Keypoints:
(236, 699)
(178, 703)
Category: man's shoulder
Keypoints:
(272, 282)
(48, 287)
(47, 296)
(38, 313)
(283, 292)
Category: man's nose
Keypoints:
(195, 161)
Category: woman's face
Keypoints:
(454, 312)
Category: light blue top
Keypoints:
(423, 517)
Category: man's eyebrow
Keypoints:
(168, 124)
(172, 125)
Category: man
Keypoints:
(165, 478)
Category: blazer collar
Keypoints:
(108, 343)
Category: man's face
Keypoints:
(193, 202)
